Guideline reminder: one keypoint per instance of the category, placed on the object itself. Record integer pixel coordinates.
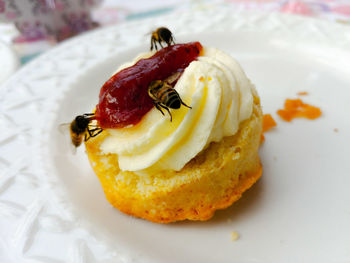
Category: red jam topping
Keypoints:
(124, 98)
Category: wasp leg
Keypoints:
(92, 133)
(183, 103)
(160, 43)
(152, 44)
(157, 106)
(95, 132)
(155, 44)
(164, 107)
(87, 136)
(171, 41)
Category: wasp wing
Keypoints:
(64, 129)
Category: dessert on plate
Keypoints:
(181, 132)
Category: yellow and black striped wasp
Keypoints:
(165, 96)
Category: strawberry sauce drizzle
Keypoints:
(124, 99)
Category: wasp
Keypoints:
(165, 96)
(81, 128)
(161, 34)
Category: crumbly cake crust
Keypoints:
(213, 180)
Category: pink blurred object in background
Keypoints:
(342, 9)
(48, 19)
(296, 7)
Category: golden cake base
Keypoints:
(213, 180)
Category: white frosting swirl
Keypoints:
(220, 96)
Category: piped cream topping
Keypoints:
(220, 95)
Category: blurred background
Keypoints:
(30, 27)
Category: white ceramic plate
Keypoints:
(8, 62)
(52, 204)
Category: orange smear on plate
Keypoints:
(262, 138)
(303, 93)
(268, 123)
(295, 108)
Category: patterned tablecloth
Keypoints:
(117, 11)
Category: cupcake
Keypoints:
(187, 163)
